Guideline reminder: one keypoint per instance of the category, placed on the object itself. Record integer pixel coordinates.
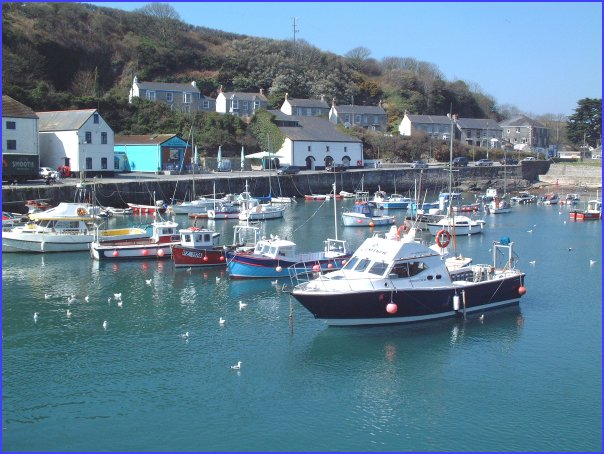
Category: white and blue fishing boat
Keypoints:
(363, 215)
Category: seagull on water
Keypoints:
(532, 262)
(46, 296)
(222, 321)
(109, 300)
(481, 318)
(117, 296)
(592, 262)
(185, 335)
(242, 305)
(35, 317)
(68, 313)
(529, 231)
(148, 281)
(120, 303)
(217, 279)
(189, 269)
(86, 298)
(236, 366)
(105, 324)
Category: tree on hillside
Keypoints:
(165, 14)
(585, 125)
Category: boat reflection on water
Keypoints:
(412, 343)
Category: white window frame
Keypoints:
(151, 95)
(186, 97)
(169, 97)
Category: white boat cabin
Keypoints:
(198, 238)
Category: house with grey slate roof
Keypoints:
(180, 97)
(369, 117)
(479, 132)
(305, 107)
(240, 104)
(19, 128)
(524, 130)
(314, 143)
(79, 139)
(435, 126)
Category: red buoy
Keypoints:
(116, 254)
(329, 265)
(521, 290)
(205, 258)
(391, 308)
(145, 252)
(316, 268)
(160, 252)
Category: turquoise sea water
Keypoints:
(525, 379)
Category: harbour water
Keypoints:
(526, 378)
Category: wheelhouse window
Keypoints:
(378, 268)
(362, 266)
(416, 268)
(351, 264)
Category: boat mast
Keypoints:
(335, 212)
(451, 216)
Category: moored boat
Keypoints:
(198, 247)
(592, 212)
(458, 224)
(159, 207)
(158, 245)
(275, 257)
(390, 280)
(363, 215)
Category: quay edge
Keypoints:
(141, 188)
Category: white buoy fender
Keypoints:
(455, 302)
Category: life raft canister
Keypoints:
(443, 238)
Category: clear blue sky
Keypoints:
(539, 57)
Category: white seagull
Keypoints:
(117, 296)
(189, 269)
(105, 324)
(87, 298)
(68, 313)
(532, 262)
(217, 279)
(481, 318)
(109, 300)
(46, 296)
(592, 262)
(222, 321)
(185, 335)
(120, 303)
(148, 281)
(242, 305)
(35, 316)
(529, 231)
(236, 366)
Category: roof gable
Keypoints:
(13, 108)
(64, 120)
(315, 129)
(521, 120)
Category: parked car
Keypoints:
(484, 163)
(529, 158)
(508, 161)
(48, 172)
(288, 170)
(335, 168)
(460, 161)
(419, 165)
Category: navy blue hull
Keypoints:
(369, 307)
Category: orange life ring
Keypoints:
(402, 229)
(81, 211)
(443, 238)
